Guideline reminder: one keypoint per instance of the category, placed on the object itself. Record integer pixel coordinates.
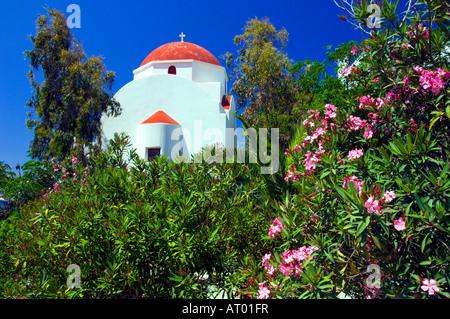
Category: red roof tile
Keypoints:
(160, 117)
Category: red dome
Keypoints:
(181, 51)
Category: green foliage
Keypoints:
(371, 174)
(264, 85)
(67, 106)
(140, 229)
(359, 208)
(6, 175)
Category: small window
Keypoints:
(172, 70)
(153, 152)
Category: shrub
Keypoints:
(370, 217)
(140, 229)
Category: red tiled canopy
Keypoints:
(181, 51)
(160, 117)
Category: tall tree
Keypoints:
(67, 106)
(6, 175)
(264, 86)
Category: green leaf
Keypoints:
(422, 205)
(363, 225)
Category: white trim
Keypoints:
(148, 65)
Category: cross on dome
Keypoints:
(182, 35)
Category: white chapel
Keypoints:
(176, 103)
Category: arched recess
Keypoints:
(172, 70)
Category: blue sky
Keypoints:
(125, 32)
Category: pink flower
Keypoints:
(442, 73)
(372, 205)
(356, 182)
(355, 123)
(399, 224)
(266, 258)
(267, 266)
(287, 257)
(430, 286)
(303, 253)
(314, 114)
(406, 46)
(320, 131)
(276, 228)
(293, 174)
(389, 196)
(263, 292)
(286, 269)
(297, 148)
(74, 160)
(366, 101)
(422, 32)
(270, 270)
(391, 96)
(310, 162)
(347, 72)
(353, 154)
(368, 134)
(433, 81)
(355, 50)
(379, 104)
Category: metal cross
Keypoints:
(182, 35)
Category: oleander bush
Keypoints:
(370, 217)
(140, 229)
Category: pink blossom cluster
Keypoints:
(369, 102)
(420, 33)
(373, 205)
(354, 154)
(276, 228)
(330, 112)
(293, 174)
(57, 167)
(389, 196)
(392, 97)
(356, 182)
(318, 133)
(292, 261)
(349, 71)
(311, 160)
(373, 202)
(56, 188)
(355, 123)
(433, 81)
(263, 292)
